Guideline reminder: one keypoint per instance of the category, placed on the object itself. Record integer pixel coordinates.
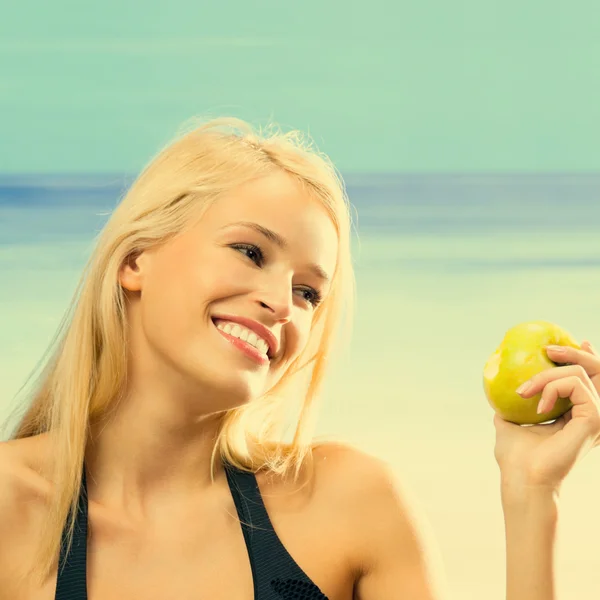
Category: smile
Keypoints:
(245, 340)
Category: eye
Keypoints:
(311, 295)
(253, 252)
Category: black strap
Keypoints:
(71, 582)
(276, 574)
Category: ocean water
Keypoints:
(445, 265)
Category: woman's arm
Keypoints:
(530, 520)
(534, 462)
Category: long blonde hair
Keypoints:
(86, 370)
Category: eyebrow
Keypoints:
(282, 243)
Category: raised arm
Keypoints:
(534, 462)
(530, 519)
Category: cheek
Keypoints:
(166, 310)
(217, 274)
(193, 279)
(172, 299)
(297, 337)
(303, 334)
(183, 284)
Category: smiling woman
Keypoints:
(205, 317)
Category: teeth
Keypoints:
(244, 334)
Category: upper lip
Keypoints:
(258, 328)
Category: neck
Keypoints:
(146, 453)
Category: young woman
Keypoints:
(150, 461)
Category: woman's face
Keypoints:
(228, 305)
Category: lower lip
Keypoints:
(248, 349)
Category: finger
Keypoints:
(553, 427)
(567, 416)
(589, 360)
(587, 346)
(585, 401)
(537, 383)
(547, 429)
(502, 425)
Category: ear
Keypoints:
(131, 273)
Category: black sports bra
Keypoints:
(275, 574)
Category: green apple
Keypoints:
(520, 356)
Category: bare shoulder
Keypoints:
(339, 482)
(375, 487)
(395, 548)
(363, 478)
(359, 482)
(349, 464)
(24, 488)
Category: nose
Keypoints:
(278, 300)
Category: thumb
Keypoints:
(502, 425)
(574, 439)
(587, 346)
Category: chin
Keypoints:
(219, 379)
(219, 394)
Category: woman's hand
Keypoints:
(542, 455)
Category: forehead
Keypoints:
(277, 192)
(278, 203)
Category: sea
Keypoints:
(445, 264)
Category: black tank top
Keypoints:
(275, 573)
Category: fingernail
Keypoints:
(539, 406)
(555, 348)
(524, 387)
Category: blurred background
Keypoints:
(467, 133)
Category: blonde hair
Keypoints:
(86, 370)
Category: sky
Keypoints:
(382, 86)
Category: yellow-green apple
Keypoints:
(520, 356)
